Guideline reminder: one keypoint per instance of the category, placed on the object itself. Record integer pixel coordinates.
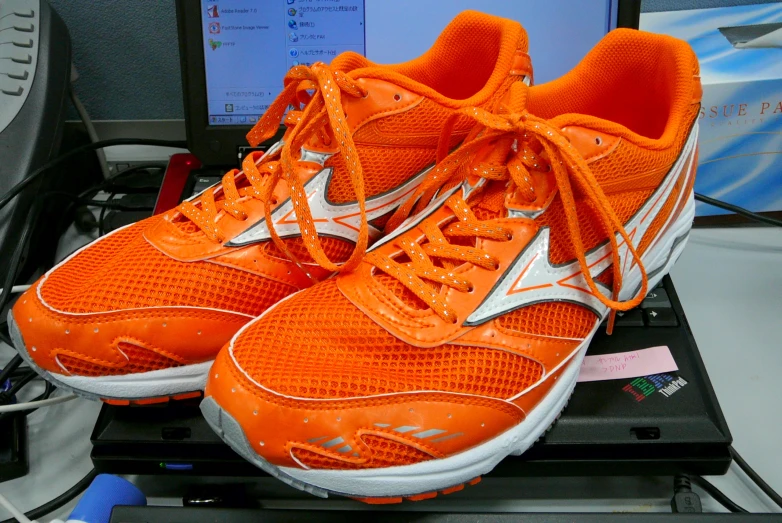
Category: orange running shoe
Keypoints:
(139, 315)
(459, 338)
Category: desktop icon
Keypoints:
(293, 52)
(292, 11)
(294, 63)
(213, 11)
(293, 25)
(292, 37)
(215, 44)
(229, 108)
(291, 1)
(214, 28)
(243, 119)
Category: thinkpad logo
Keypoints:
(665, 384)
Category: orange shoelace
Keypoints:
(263, 172)
(509, 135)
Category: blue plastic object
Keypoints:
(177, 466)
(105, 492)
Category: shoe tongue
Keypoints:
(489, 203)
(348, 61)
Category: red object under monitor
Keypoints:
(179, 167)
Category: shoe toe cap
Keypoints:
(118, 342)
(353, 433)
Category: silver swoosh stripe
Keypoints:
(336, 220)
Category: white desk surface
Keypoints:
(730, 283)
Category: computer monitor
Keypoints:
(235, 52)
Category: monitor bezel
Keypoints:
(215, 145)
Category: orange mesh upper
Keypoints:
(640, 81)
(620, 168)
(383, 453)
(561, 250)
(123, 271)
(319, 345)
(559, 319)
(625, 167)
(139, 360)
(80, 367)
(389, 453)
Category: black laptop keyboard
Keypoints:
(201, 182)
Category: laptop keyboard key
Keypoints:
(658, 298)
(661, 317)
(631, 318)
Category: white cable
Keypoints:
(15, 512)
(36, 404)
(104, 166)
(18, 288)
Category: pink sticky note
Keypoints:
(627, 364)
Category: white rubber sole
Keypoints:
(152, 384)
(161, 383)
(434, 475)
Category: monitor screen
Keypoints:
(250, 44)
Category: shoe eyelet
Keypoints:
(471, 289)
(598, 141)
(397, 97)
(508, 235)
